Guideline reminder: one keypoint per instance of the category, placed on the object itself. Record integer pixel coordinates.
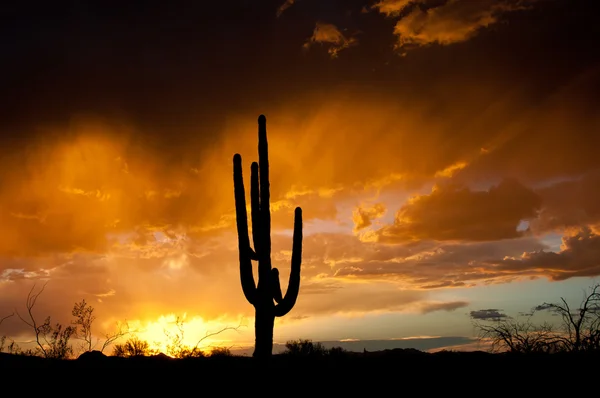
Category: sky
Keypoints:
(444, 153)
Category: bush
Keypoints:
(133, 347)
(305, 348)
(221, 352)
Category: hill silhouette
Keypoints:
(398, 369)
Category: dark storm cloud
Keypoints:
(449, 306)
(166, 65)
(488, 315)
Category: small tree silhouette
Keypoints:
(579, 329)
(52, 341)
(508, 334)
(84, 319)
(581, 326)
(3, 338)
(178, 349)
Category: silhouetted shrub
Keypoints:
(133, 347)
(337, 352)
(221, 352)
(305, 348)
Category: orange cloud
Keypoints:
(421, 24)
(330, 35)
(363, 217)
(392, 7)
(453, 212)
(579, 256)
(287, 4)
(101, 180)
(569, 203)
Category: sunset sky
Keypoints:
(444, 153)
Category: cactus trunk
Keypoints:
(263, 331)
(266, 296)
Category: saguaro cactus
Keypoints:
(266, 296)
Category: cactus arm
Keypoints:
(291, 294)
(253, 255)
(255, 208)
(275, 286)
(246, 276)
(264, 265)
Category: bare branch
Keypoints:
(519, 337)
(6, 317)
(579, 329)
(52, 341)
(30, 303)
(582, 326)
(207, 335)
(122, 330)
(84, 318)
(176, 347)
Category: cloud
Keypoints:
(448, 306)
(201, 278)
(579, 256)
(340, 275)
(98, 180)
(423, 23)
(349, 298)
(363, 217)
(92, 210)
(438, 265)
(330, 36)
(392, 7)
(134, 288)
(425, 265)
(73, 194)
(567, 203)
(287, 4)
(145, 289)
(488, 315)
(454, 212)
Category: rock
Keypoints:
(94, 355)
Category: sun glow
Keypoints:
(191, 332)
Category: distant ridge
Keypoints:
(421, 344)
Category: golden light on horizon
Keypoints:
(186, 331)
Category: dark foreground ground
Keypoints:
(390, 372)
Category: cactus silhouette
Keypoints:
(266, 296)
